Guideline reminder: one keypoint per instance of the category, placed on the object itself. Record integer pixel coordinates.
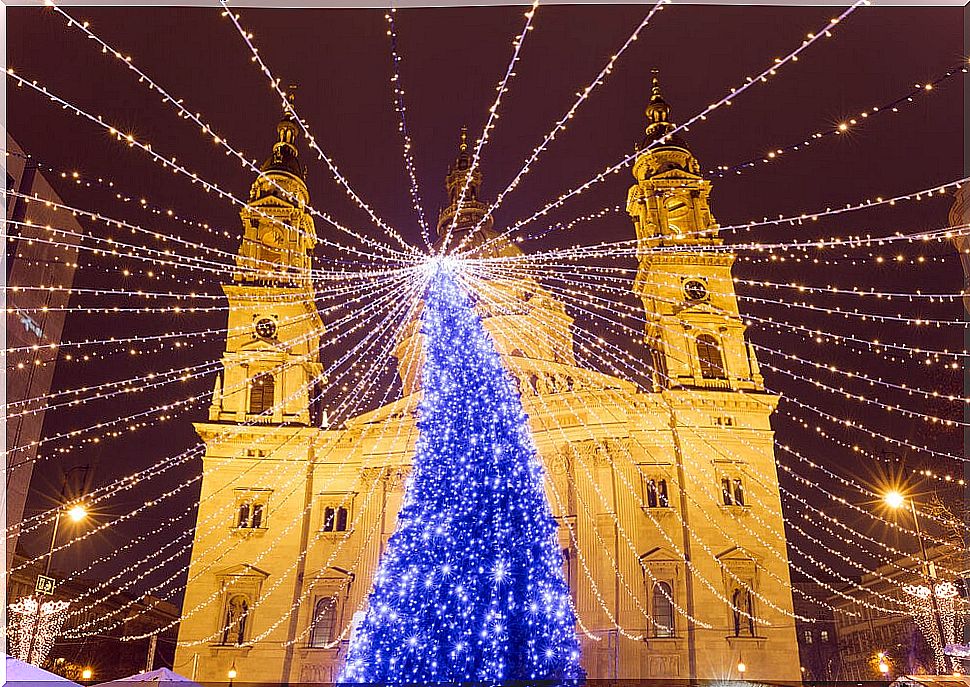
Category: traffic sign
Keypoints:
(45, 584)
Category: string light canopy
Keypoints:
(370, 294)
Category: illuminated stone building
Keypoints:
(672, 486)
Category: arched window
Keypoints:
(662, 499)
(324, 622)
(335, 519)
(237, 611)
(677, 211)
(726, 491)
(251, 512)
(651, 493)
(738, 492)
(262, 393)
(534, 383)
(709, 354)
(243, 517)
(662, 607)
(743, 610)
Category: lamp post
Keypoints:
(896, 500)
(45, 584)
(76, 513)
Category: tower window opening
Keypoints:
(709, 354)
(738, 492)
(657, 493)
(262, 393)
(662, 608)
(243, 516)
(335, 519)
(250, 515)
(732, 491)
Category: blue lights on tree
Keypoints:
(471, 586)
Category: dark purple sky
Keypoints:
(452, 60)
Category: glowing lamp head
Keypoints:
(883, 667)
(742, 668)
(232, 672)
(87, 674)
(894, 499)
(77, 512)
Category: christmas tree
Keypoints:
(471, 586)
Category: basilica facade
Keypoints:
(667, 498)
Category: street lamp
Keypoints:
(883, 664)
(742, 668)
(45, 584)
(896, 500)
(231, 674)
(77, 512)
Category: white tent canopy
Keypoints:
(19, 673)
(162, 677)
(932, 681)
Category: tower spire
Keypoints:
(278, 232)
(463, 161)
(657, 112)
(472, 209)
(286, 156)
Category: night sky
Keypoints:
(452, 61)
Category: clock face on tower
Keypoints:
(265, 328)
(695, 290)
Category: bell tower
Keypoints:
(694, 329)
(271, 365)
(707, 376)
(472, 209)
